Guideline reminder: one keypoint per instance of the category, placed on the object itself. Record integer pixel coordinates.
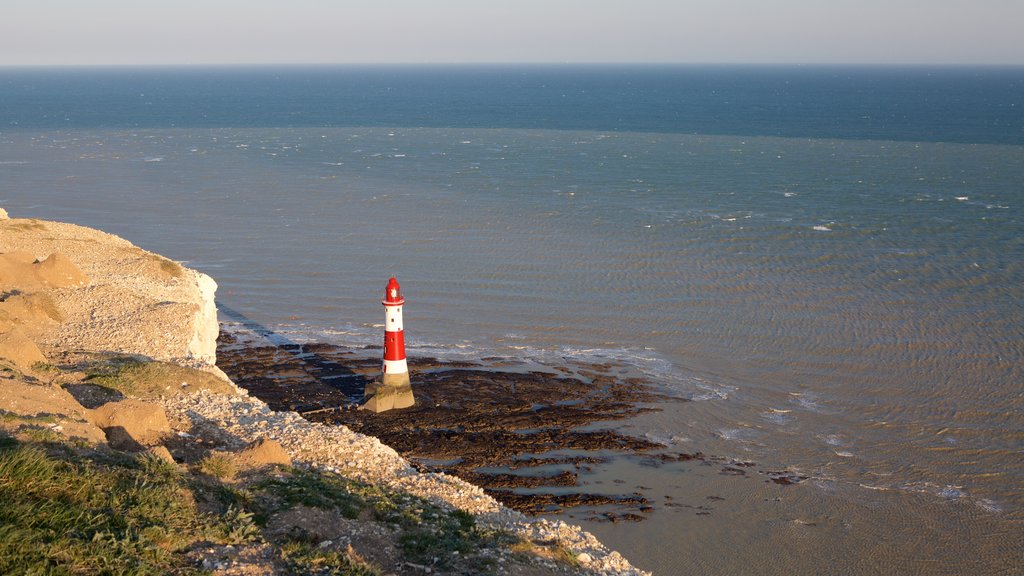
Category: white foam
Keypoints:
(738, 434)
(777, 417)
(646, 362)
(951, 492)
(729, 433)
(807, 401)
(989, 506)
(833, 440)
(709, 391)
(821, 228)
(666, 439)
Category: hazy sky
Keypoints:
(356, 31)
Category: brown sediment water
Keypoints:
(499, 427)
(559, 442)
(845, 310)
(531, 438)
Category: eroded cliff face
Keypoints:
(70, 288)
(205, 327)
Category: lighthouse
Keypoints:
(393, 390)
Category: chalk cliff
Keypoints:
(67, 287)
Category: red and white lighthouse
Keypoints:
(394, 334)
(394, 389)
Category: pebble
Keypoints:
(242, 419)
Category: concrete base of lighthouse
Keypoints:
(394, 391)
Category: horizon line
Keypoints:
(509, 64)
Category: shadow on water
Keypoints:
(288, 375)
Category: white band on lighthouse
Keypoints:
(393, 318)
(395, 366)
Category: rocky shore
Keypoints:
(109, 352)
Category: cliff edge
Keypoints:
(71, 288)
(111, 405)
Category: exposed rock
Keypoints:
(33, 313)
(132, 420)
(47, 403)
(238, 420)
(119, 439)
(205, 328)
(3, 214)
(263, 452)
(162, 453)
(59, 272)
(19, 257)
(146, 307)
(136, 302)
(17, 272)
(367, 539)
(312, 523)
(20, 350)
(33, 400)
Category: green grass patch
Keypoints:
(66, 514)
(220, 466)
(45, 368)
(8, 417)
(167, 268)
(426, 531)
(172, 269)
(32, 224)
(313, 489)
(305, 557)
(147, 379)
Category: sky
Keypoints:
(189, 32)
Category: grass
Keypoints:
(169, 268)
(68, 511)
(45, 368)
(220, 466)
(305, 557)
(148, 379)
(32, 224)
(427, 533)
(6, 417)
(95, 515)
(554, 552)
(313, 490)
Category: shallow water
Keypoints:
(847, 309)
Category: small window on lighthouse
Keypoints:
(394, 293)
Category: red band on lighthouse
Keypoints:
(394, 345)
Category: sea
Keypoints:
(826, 263)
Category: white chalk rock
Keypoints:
(203, 345)
(3, 215)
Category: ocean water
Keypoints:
(829, 262)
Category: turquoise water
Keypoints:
(836, 282)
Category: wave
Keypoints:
(664, 375)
